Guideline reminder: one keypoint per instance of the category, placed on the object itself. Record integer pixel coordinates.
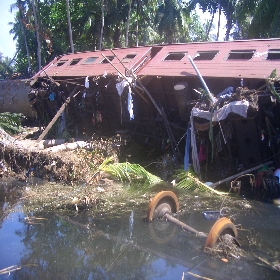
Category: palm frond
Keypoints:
(270, 84)
(11, 123)
(190, 182)
(129, 172)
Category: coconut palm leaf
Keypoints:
(266, 20)
(129, 172)
(188, 181)
(11, 123)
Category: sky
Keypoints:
(207, 16)
(7, 45)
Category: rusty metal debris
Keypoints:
(166, 202)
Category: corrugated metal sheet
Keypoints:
(220, 66)
(90, 63)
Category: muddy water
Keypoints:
(119, 244)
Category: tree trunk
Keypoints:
(116, 37)
(219, 21)
(22, 27)
(127, 24)
(229, 13)
(26, 47)
(37, 35)
(69, 26)
(137, 27)
(210, 25)
(102, 25)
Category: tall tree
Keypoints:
(143, 27)
(219, 20)
(102, 25)
(69, 26)
(34, 7)
(170, 20)
(20, 5)
(211, 6)
(127, 23)
(266, 20)
(6, 66)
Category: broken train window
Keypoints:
(273, 54)
(175, 56)
(240, 54)
(109, 58)
(128, 57)
(90, 60)
(75, 61)
(61, 62)
(205, 55)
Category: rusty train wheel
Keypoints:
(163, 202)
(221, 227)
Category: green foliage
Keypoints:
(6, 67)
(270, 84)
(266, 20)
(129, 172)
(189, 181)
(11, 123)
(151, 22)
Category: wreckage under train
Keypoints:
(222, 97)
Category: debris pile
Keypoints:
(226, 248)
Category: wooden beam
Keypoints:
(59, 112)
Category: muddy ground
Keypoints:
(69, 179)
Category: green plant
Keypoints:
(11, 123)
(128, 172)
(187, 180)
(270, 84)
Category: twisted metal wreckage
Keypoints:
(160, 94)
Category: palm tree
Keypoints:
(236, 12)
(5, 66)
(127, 23)
(211, 6)
(170, 20)
(21, 19)
(69, 26)
(37, 35)
(142, 20)
(102, 25)
(266, 20)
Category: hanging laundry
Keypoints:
(86, 82)
(130, 104)
(120, 88)
(202, 153)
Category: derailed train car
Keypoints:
(222, 97)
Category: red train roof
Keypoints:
(232, 59)
(94, 64)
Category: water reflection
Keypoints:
(95, 245)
